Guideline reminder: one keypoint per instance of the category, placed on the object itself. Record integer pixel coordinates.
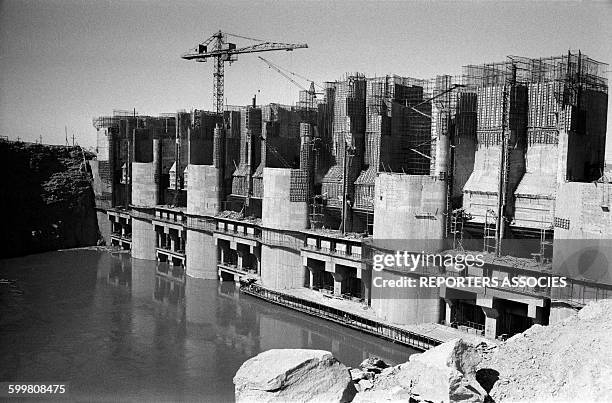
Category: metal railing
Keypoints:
(465, 325)
(385, 331)
(141, 214)
(174, 220)
(206, 224)
(241, 234)
(282, 242)
(333, 252)
(167, 250)
(126, 237)
(234, 267)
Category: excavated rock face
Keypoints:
(293, 375)
(47, 197)
(443, 374)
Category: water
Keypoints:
(117, 329)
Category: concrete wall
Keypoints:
(465, 141)
(480, 191)
(101, 184)
(144, 188)
(535, 193)
(102, 144)
(587, 134)
(201, 137)
(465, 151)
(143, 145)
(405, 306)
(584, 205)
(278, 211)
(143, 239)
(582, 246)
(203, 195)
(281, 268)
(410, 207)
(201, 254)
(104, 225)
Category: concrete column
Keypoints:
(310, 277)
(536, 313)
(221, 254)
(366, 280)
(338, 277)
(143, 240)
(449, 311)
(491, 322)
(240, 258)
(166, 240)
(172, 243)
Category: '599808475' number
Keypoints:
(34, 388)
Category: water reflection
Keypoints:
(121, 328)
(169, 290)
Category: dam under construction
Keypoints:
(505, 160)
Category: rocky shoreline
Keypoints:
(568, 361)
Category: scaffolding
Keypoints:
(554, 83)
(345, 126)
(316, 215)
(544, 255)
(458, 218)
(490, 232)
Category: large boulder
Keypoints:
(293, 375)
(443, 374)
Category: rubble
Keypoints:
(567, 361)
(443, 374)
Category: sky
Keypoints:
(64, 62)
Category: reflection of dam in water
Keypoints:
(218, 311)
(126, 329)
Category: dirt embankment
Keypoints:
(46, 198)
(568, 361)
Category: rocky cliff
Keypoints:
(46, 198)
(568, 361)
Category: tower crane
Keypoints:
(220, 50)
(280, 70)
